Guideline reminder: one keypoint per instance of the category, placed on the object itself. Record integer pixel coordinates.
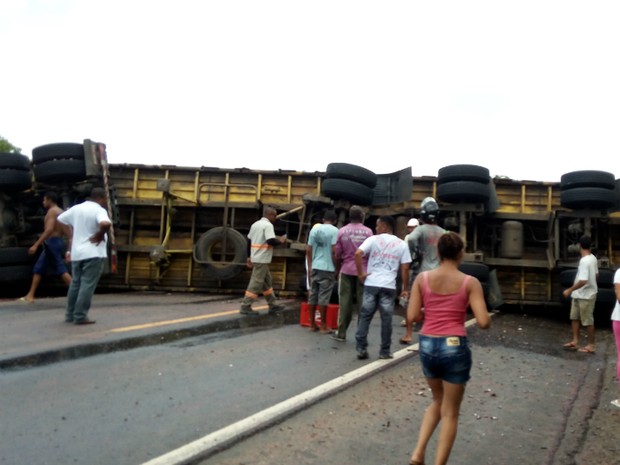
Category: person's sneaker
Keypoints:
(385, 356)
(362, 355)
(335, 337)
(248, 311)
(85, 321)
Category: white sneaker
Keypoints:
(616, 403)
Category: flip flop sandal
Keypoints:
(587, 350)
(404, 341)
(570, 346)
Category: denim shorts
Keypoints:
(447, 358)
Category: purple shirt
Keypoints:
(350, 237)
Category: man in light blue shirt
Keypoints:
(320, 254)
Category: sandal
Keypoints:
(570, 346)
(587, 350)
(404, 341)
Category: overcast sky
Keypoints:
(529, 89)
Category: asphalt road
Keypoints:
(528, 402)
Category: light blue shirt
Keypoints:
(322, 238)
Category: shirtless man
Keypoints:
(53, 248)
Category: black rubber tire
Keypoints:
(605, 279)
(473, 173)
(477, 270)
(15, 273)
(14, 256)
(585, 198)
(567, 277)
(15, 161)
(606, 298)
(60, 171)
(204, 250)
(347, 190)
(463, 192)
(352, 173)
(15, 180)
(59, 151)
(587, 178)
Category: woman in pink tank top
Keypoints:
(440, 299)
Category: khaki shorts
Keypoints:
(583, 310)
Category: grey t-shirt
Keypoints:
(423, 240)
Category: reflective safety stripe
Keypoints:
(251, 295)
(262, 246)
(268, 292)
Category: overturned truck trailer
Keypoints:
(183, 229)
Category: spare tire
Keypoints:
(206, 249)
(352, 173)
(587, 178)
(473, 173)
(347, 190)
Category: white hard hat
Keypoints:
(413, 223)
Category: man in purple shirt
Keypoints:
(350, 288)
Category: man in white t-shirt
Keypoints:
(583, 294)
(387, 254)
(86, 225)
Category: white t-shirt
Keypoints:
(386, 253)
(84, 218)
(616, 313)
(587, 271)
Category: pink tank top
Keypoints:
(444, 314)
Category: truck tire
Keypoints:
(479, 271)
(463, 192)
(472, 173)
(15, 180)
(352, 173)
(587, 178)
(59, 151)
(15, 273)
(207, 246)
(567, 278)
(14, 256)
(347, 190)
(15, 161)
(605, 279)
(60, 171)
(584, 198)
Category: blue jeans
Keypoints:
(447, 358)
(382, 299)
(85, 276)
